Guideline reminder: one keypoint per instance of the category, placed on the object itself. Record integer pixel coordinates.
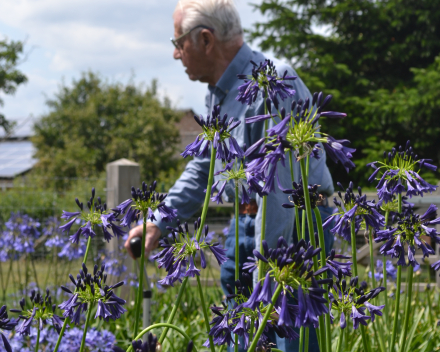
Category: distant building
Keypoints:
(188, 128)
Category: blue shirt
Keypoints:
(187, 195)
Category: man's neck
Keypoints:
(225, 54)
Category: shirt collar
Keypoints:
(236, 66)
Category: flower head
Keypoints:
(409, 232)
(297, 199)
(354, 208)
(233, 171)
(42, 310)
(264, 78)
(389, 267)
(351, 301)
(178, 253)
(91, 289)
(6, 324)
(216, 130)
(397, 174)
(144, 202)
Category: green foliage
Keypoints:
(10, 77)
(378, 59)
(94, 122)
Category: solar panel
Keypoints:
(16, 158)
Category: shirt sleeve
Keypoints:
(187, 195)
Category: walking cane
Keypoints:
(136, 247)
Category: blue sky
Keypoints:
(117, 38)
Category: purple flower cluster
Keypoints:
(177, 256)
(216, 130)
(389, 267)
(41, 312)
(409, 232)
(296, 197)
(357, 208)
(91, 289)
(6, 324)
(264, 77)
(96, 216)
(150, 345)
(145, 201)
(19, 236)
(397, 174)
(351, 301)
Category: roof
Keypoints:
(16, 158)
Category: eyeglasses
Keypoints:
(175, 41)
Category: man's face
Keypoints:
(192, 56)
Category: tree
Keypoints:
(369, 59)
(93, 123)
(10, 77)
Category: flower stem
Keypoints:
(353, 248)
(89, 241)
(205, 313)
(370, 242)
(341, 338)
(86, 326)
(174, 310)
(160, 325)
(306, 340)
(37, 344)
(313, 242)
(298, 226)
(399, 284)
(384, 272)
(324, 274)
(410, 275)
(137, 309)
(237, 252)
(301, 339)
(265, 318)
(262, 237)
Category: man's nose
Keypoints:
(176, 54)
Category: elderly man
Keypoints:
(209, 43)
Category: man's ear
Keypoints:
(208, 40)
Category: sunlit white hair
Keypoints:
(222, 15)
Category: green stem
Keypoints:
(306, 346)
(174, 310)
(298, 227)
(301, 339)
(410, 275)
(263, 235)
(86, 325)
(370, 242)
(89, 241)
(205, 314)
(323, 263)
(303, 225)
(251, 330)
(237, 252)
(37, 345)
(385, 281)
(160, 325)
(265, 318)
(312, 241)
(208, 193)
(353, 248)
(379, 337)
(399, 284)
(137, 309)
(341, 338)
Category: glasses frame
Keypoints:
(175, 40)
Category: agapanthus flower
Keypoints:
(299, 132)
(409, 232)
(355, 208)
(351, 301)
(6, 324)
(233, 171)
(389, 267)
(94, 215)
(19, 235)
(177, 255)
(264, 78)
(297, 199)
(397, 174)
(91, 290)
(114, 261)
(42, 310)
(144, 202)
(216, 130)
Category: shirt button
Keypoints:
(227, 91)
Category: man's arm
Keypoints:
(186, 196)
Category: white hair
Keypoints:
(221, 15)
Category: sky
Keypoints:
(122, 40)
